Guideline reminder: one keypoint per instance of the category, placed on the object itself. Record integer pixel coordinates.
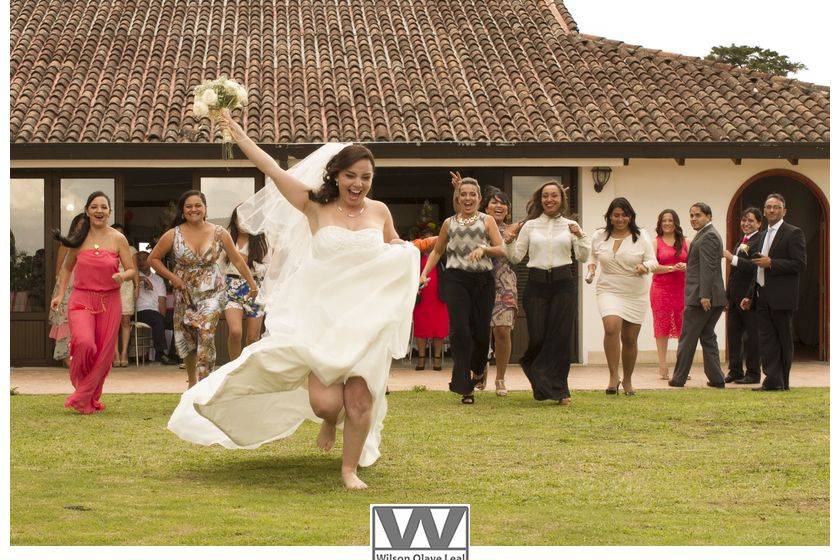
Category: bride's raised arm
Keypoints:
(293, 190)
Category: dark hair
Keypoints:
(339, 162)
(754, 211)
(624, 204)
(705, 208)
(534, 208)
(679, 237)
(499, 195)
(118, 226)
(75, 240)
(179, 210)
(257, 247)
(776, 195)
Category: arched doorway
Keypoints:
(807, 209)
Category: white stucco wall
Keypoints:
(652, 185)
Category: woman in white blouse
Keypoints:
(626, 256)
(552, 242)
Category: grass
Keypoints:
(662, 468)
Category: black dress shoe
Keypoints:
(673, 384)
(167, 361)
(732, 378)
(748, 380)
(763, 388)
(716, 385)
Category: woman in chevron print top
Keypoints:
(469, 239)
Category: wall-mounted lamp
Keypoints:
(601, 176)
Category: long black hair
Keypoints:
(257, 247)
(679, 237)
(179, 210)
(75, 240)
(534, 208)
(624, 204)
(340, 161)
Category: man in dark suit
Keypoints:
(741, 328)
(705, 299)
(775, 294)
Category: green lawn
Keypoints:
(663, 468)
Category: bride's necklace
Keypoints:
(466, 221)
(348, 214)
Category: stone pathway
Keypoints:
(170, 379)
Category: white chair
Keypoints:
(142, 342)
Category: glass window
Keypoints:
(74, 194)
(27, 245)
(224, 194)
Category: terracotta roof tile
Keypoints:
(378, 70)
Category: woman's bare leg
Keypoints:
(358, 403)
(253, 329)
(629, 352)
(662, 354)
(189, 361)
(233, 318)
(612, 346)
(125, 331)
(326, 402)
(501, 337)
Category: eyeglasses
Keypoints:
(773, 207)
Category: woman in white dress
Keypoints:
(626, 257)
(339, 293)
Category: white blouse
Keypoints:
(629, 255)
(548, 243)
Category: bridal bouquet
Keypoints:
(214, 95)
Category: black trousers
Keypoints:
(550, 310)
(155, 320)
(775, 335)
(469, 299)
(742, 338)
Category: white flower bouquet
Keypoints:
(211, 96)
(744, 248)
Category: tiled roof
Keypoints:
(383, 70)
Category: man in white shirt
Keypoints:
(151, 305)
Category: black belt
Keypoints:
(552, 275)
(256, 278)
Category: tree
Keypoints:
(755, 58)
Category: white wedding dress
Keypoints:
(345, 312)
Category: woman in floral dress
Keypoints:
(198, 280)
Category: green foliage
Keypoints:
(691, 467)
(755, 58)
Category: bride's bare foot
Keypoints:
(326, 437)
(352, 481)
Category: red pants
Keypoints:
(94, 319)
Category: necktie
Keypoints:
(765, 248)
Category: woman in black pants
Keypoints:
(469, 239)
(552, 243)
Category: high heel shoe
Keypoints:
(437, 362)
(613, 390)
(481, 380)
(501, 390)
(421, 363)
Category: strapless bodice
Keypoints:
(332, 240)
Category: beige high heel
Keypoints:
(501, 391)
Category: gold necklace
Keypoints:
(466, 221)
(362, 211)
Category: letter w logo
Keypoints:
(420, 515)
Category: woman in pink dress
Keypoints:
(668, 286)
(94, 310)
(431, 317)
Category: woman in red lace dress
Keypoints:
(431, 317)
(668, 286)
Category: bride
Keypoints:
(339, 296)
